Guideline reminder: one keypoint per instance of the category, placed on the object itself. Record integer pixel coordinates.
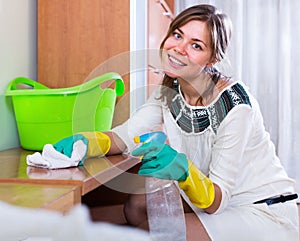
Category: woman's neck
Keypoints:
(193, 90)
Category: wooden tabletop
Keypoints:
(30, 195)
(94, 172)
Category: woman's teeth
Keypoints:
(176, 61)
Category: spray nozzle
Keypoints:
(157, 136)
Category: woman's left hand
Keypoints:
(161, 161)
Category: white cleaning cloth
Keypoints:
(52, 159)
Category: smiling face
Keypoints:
(186, 52)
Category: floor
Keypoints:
(112, 214)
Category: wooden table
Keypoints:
(94, 172)
(51, 197)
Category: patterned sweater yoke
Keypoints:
(197, 119)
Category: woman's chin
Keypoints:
(171, 74)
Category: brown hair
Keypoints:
(219, 27)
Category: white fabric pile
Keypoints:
(24, 224)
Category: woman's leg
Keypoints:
(135, 211)
(195, 230)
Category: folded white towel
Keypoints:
(52, 159)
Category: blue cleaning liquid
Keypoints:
(157, 136)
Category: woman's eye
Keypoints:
(177, 35)
(196, 46)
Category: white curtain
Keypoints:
(264, 54)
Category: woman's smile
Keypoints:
(175, 62)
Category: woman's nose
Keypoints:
(180, 48)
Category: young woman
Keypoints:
(218, 150)
(220, 153)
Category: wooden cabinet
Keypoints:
(79, 39)
(76, 36)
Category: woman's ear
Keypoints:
(212, 62)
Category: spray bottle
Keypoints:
(164, 207)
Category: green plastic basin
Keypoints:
(46, 115)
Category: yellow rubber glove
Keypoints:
(99, 143)
(198, 187)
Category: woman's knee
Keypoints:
(135, 209)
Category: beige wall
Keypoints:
(17, 58)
